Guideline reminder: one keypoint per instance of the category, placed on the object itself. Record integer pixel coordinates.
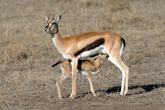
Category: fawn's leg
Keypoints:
(58, 87)
(91, 83)
(65, 74)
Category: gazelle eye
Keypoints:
(54, 23)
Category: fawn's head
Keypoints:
(51, 25)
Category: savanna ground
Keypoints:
(27, 80)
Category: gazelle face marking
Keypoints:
(46, 27)
(51, 27)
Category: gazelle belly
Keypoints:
(82, 72)
(95, 51)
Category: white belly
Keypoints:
(85, 74)
(95, 51)
(82, 72)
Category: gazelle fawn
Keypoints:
(76, 47)
(85, 67)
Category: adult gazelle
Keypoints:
(87, 44)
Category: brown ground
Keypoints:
(27, 80)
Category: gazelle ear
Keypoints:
(59, 17)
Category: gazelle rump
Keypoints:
(85, 67)
(86, 44)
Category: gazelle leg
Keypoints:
(126, 81)
(124, 69)
(74, 73)
(91, 83)
(58, 87)
(115, 57)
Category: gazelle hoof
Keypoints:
(121, 93)
(60, 97)
(71, 96)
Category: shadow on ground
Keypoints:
(146, 88)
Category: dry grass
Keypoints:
(27, 80)
(15, 53)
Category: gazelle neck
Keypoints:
(58, 41)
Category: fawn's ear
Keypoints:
(59, 17)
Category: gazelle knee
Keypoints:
(126, 69)
(57, 83)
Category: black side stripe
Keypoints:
(91, 46)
